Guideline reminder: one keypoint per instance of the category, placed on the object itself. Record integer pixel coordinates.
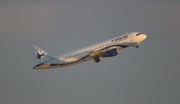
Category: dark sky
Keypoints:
(148, 75)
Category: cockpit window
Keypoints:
(138, 34)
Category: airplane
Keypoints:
(108, 48)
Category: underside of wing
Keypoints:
(103, 52)
(97, 53)
(111, 49)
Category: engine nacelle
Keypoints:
(111, 53)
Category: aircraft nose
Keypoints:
(144, 36)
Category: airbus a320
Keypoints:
(108, 48)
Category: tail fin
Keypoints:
(40, 54)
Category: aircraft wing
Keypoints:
(97, 53)
(102, 52)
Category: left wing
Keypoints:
(102, 52)
(97, 53)
(111, 49)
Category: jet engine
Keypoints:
(111, 53)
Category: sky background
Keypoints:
(148, 75)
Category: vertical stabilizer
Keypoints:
(40, 54)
